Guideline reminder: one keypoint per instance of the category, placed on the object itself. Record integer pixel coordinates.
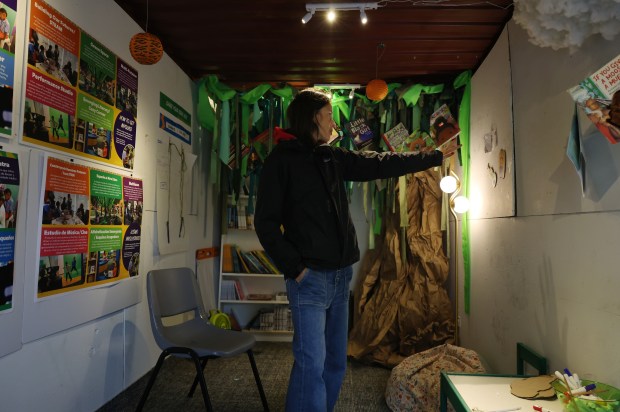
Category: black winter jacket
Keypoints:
(302, 191)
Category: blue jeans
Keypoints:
(320, 310)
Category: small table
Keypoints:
(486, 393)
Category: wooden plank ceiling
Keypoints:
(247, 42)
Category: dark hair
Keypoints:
(301, 114)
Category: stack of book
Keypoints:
(237, 216)
(278, 319)
(236, 260)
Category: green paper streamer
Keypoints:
(340, 105)
(204, 111)
(286, 94)
(255, 94)
(412, 95)
(245, 127)
(224, 147)
(464, 80)
(219, 90)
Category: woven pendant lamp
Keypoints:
(377, 89)
(146, 48)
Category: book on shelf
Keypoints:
(598, 96)
(239, 290)
(360, 132)
(227, 259)
(266, 261)
(234, 322)
(228, 290)
(266, 320)
(396, 138)
(444, 129)
(235, 260)
(236, 210)
(243, 267)
(253, 263)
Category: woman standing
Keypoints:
(302, 191)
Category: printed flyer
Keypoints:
(176, 121)
(80, 99)
(9, 193)
(90, 227)
(8, 38)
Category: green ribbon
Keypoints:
(224, 146)
(255, 94)
(340, 104)
(464, 80)
(412, 95)
(219, 90)
(286, 94)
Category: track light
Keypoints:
(363, 16)
(308, 16)
(332, 8)
(352, 94)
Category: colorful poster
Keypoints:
(80, 98)
(599, 97)
(89, 219)
(8, 38)
(9, 193)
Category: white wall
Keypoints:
(549, 277)
(85, 366)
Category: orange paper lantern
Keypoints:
(146, 48)
(376, 90)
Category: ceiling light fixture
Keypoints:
(311, 8)
(307, 17)
(363, 16)
(344, 86)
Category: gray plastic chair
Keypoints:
(175, 291)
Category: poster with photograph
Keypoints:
(8, 38)
(90, 219)
(80, 98)
(598, 96)
(9, 193)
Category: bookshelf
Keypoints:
(258, 297)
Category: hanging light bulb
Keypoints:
(363, 16)
(448, 184)
(461, 204)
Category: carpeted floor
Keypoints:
(232, 388)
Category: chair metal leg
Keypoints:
(263, 398)
(149, 385)
(201, 379)
(193, 388)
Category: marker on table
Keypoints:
(541, 409)
(560, 378)
(581, 391)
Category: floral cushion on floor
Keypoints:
(414, 383)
